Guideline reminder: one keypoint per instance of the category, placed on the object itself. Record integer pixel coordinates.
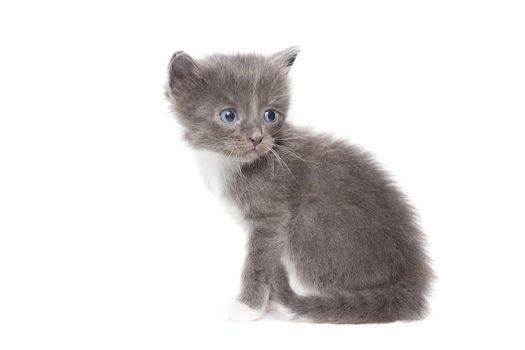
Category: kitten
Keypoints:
(319, 211)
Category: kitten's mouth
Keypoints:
(248, 152)
(254, 152)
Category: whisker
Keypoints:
(283, 162)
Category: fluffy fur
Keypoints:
(315, 205)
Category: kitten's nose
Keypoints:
(255, 139)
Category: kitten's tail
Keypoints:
(397, 301)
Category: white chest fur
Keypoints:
(217, 170)
(214, 169)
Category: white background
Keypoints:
(108, 238)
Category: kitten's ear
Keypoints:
(286, 57)
(183, 73)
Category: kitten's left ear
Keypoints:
(286, 57)
(183, 74)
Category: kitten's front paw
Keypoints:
(240, 312)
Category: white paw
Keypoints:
(272, 306)
(240, 312)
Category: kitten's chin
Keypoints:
(251, 156)
(239, 156)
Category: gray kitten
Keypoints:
(330, 236)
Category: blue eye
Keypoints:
(270, 116)
(228, 116)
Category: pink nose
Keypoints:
(255, 140)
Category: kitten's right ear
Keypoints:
(286, 57)
(183, 73)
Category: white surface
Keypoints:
(109, 239)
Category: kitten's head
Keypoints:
(232, 104)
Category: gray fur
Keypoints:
(322, 202)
